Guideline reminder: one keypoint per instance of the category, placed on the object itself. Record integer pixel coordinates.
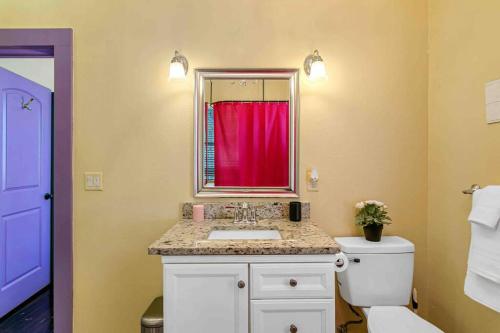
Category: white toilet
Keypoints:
(379, 280)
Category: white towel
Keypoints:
(484, 252)
(486, 206)
(482, 291)
(482, 282)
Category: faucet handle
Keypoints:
(236, 212)
(253, 214)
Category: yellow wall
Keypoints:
(364, 129)
(463, 149)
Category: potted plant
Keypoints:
(372, 215)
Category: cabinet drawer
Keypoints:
(300, 316)
(292, 281)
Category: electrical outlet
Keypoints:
(312, 186)
(312, 180)
(93, 181)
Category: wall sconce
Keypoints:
(178, 67)
(314, 66)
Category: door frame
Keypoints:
(57, 44)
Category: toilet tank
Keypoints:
(379, 273)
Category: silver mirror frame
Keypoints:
(201, 74)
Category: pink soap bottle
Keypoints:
(198, 213)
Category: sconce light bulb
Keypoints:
(176, 71)
(178, 67)
(318, 71)
(314, 66)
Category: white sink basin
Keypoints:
(243, 234)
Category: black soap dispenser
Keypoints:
(295, 212)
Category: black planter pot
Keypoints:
(373, 232)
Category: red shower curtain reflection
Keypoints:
(251, 143)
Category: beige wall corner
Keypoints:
(463, 150)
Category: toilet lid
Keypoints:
(397, 319)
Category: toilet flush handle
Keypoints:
(340, 262)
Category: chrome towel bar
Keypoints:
(472, 189)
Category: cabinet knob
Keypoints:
(48, 196)
(293, 328)
(241, 284)
(293, 282)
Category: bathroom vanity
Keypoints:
(255, 283)
(275, 276)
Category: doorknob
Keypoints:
(48, 196)
(293, 329)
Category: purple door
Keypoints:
(25, 179)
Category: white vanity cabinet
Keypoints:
(206, 298)
(249, 294)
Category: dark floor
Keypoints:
(34, 316)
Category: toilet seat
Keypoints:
(397, 319)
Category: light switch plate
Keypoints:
(492, 100)
(93, 181)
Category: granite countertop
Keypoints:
(188, 238)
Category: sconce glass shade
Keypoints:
(318, 71)
(314, 66)
(178, 67)
(176, 71)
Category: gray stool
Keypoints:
(152, 319)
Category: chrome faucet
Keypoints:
(244, 214)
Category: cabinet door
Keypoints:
(294, 316)
(210, 298)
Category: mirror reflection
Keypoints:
(247, 129)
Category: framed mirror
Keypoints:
(246, 132)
